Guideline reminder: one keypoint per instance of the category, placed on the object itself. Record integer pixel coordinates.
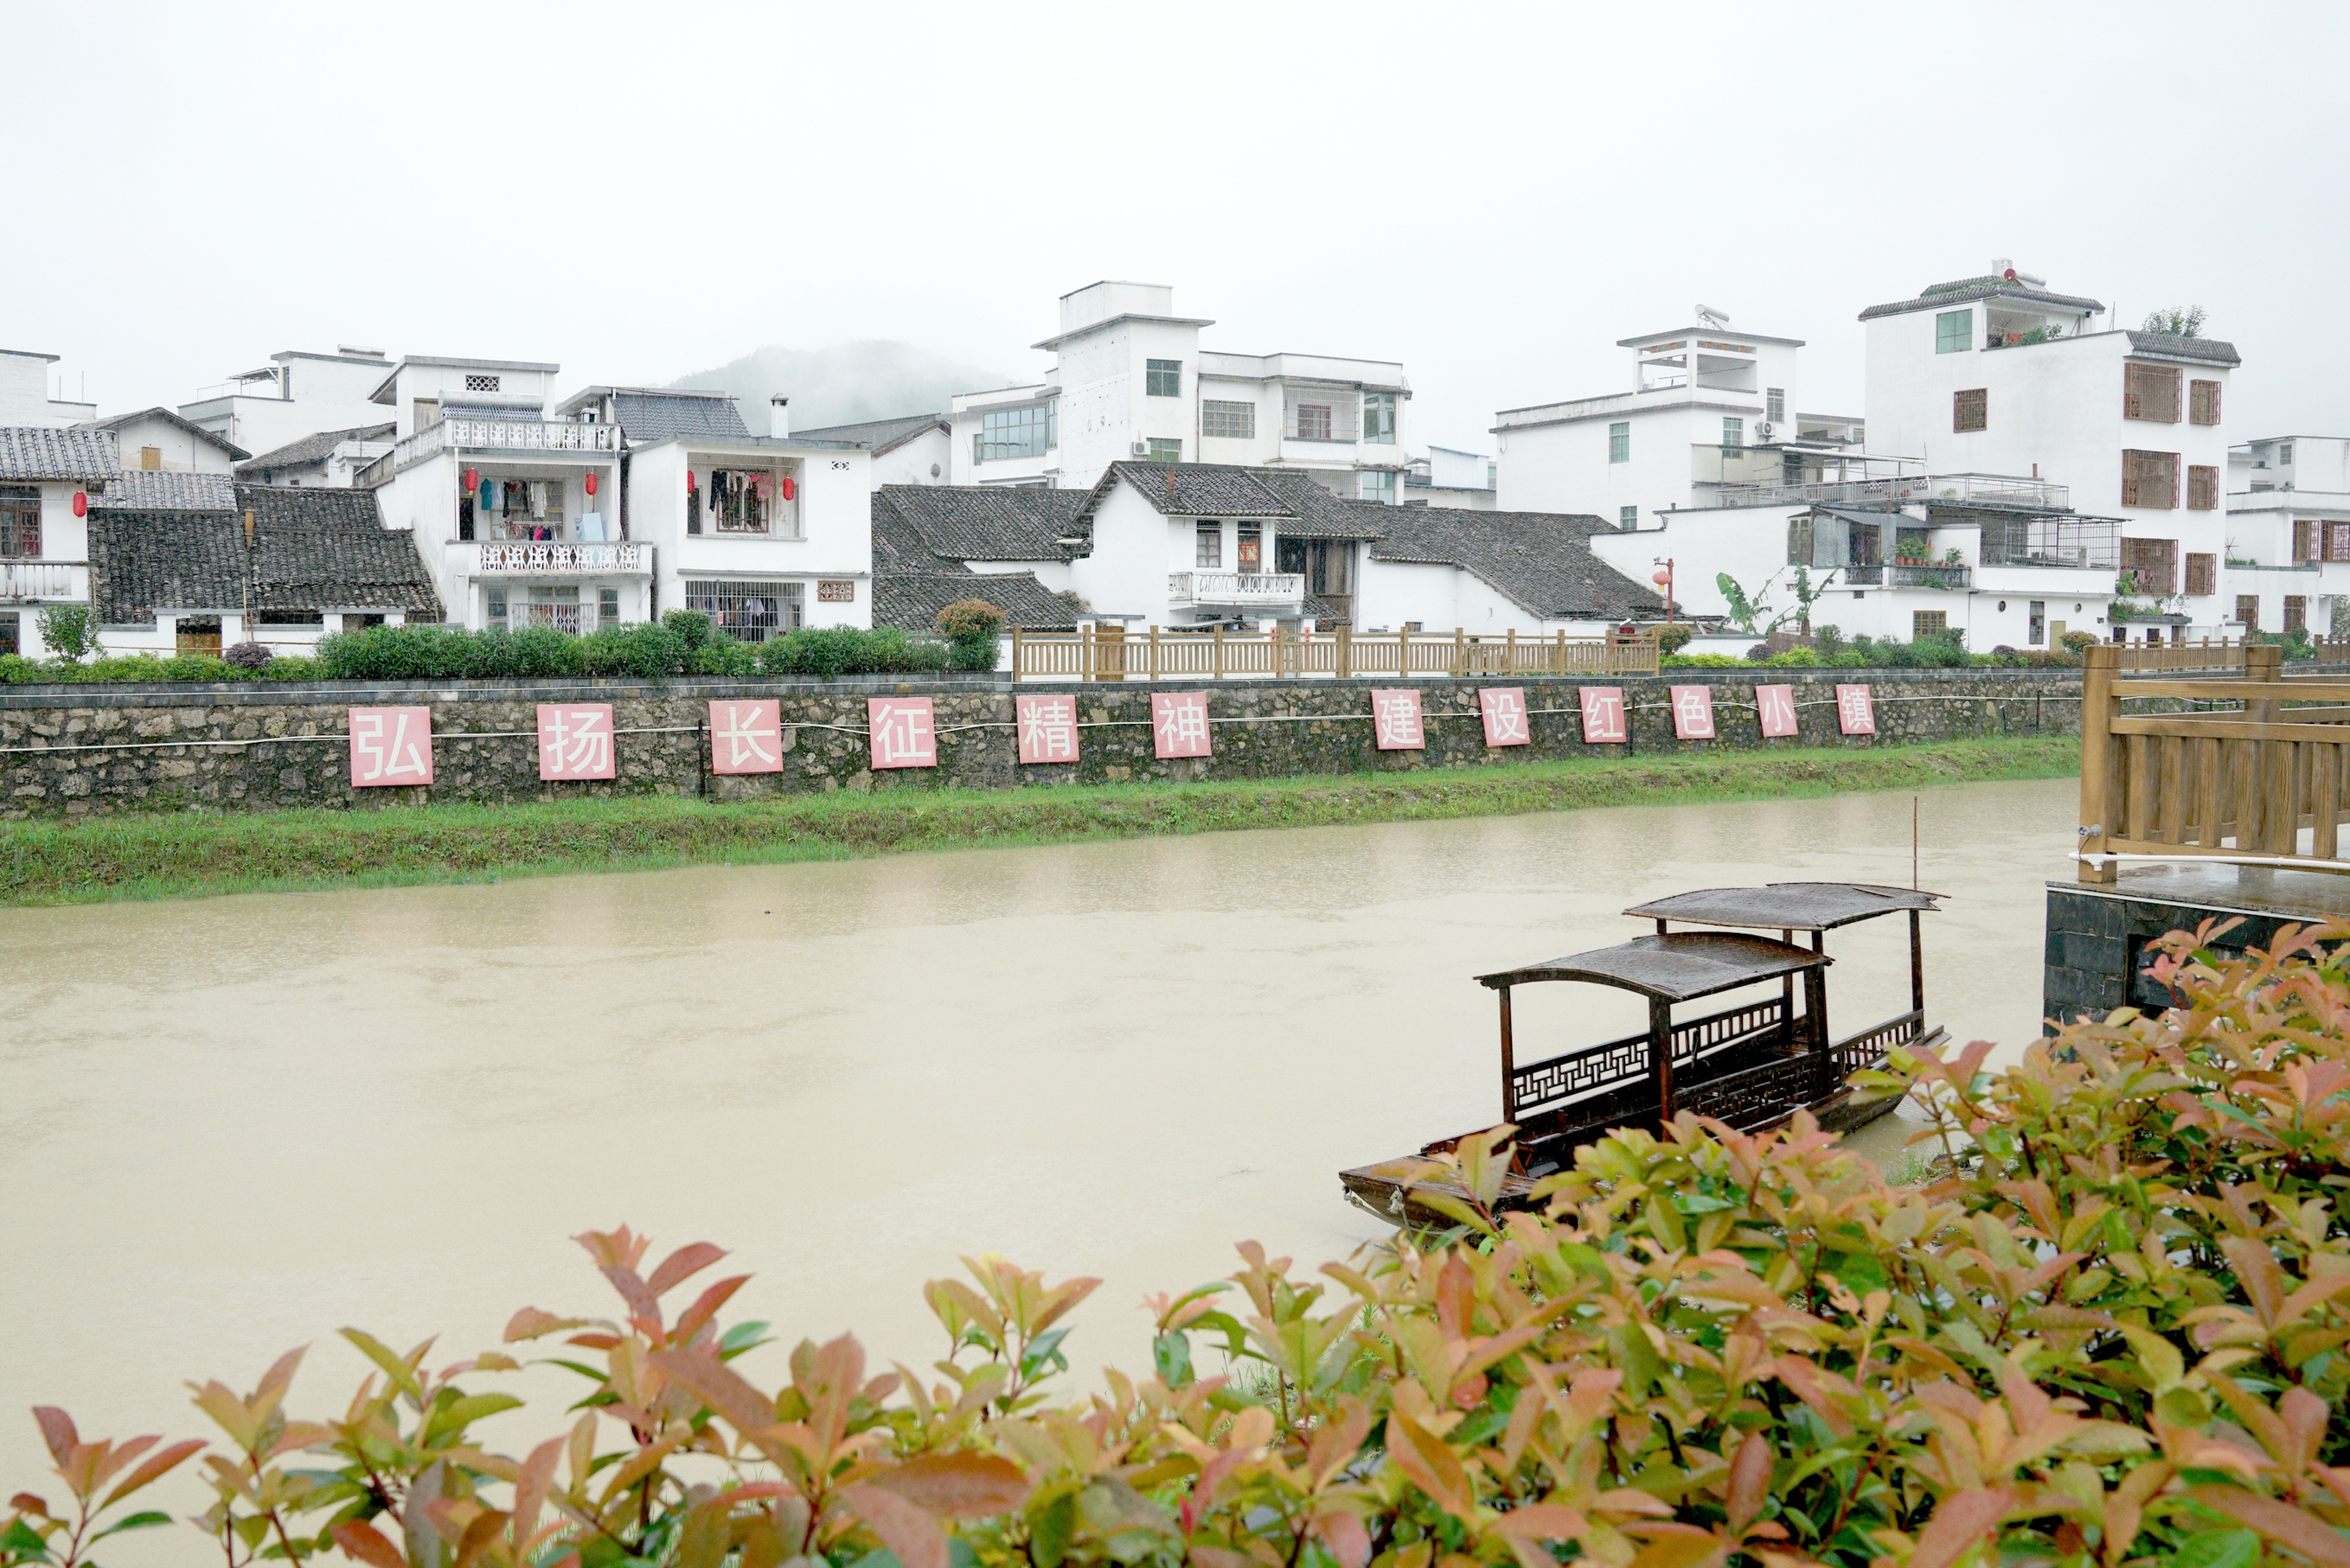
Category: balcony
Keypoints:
(2093, 544)
(42, 580)
(1252, 588)
(490, 435)
(520, 617)
(495, 560)
(1955, 579)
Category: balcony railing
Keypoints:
(1953, 577)
(494, 560)
(489, 435)
(38, 579)
(2090, 543)
(1235, 587)
(561, 618)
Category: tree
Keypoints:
(2178, 321)
(67, 632)
(1746, 612)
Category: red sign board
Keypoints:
(1854, 713)
(1395, 718)
(391, 746)
(1603, 715)
(904, 732)
(1503, 708)
(1693, 713)
(575, 741)
(1048, 728)
(1775, 706)
(746, 738)
(1179, 723)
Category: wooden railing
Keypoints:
(2224, 654)
(1111, 653)
(1864, 1050)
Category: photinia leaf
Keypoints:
(144, 1521)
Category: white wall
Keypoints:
(180, 451)
(835, 511)
(24, 390)
(927, 458)
(1133, 547)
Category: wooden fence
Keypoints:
(2224, 654)
(2242, 780)
(1111, 653)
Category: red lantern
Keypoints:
(590, 483)
(81, 504)
(790, 488)
(688, 482)
(473, 479)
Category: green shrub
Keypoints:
(1701, 661)
(69, 631)
(17, 670)
(2078, 642)
(292, 667)
(826, 652)
(1673, 637)
(973, 630)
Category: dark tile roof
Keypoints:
(648, 417)
(881, 435)
(312, 550)
(1194, 489)
(150, 490)
(986, 523)
(172, 418)
(1316, 514)
(912, 600)
(1541, 561)
(39, 452)
(313, 449)
(1962, 291)
(2173, 347)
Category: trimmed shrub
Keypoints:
(248, 656)
(1673, 637)
(973, 630)
(2078, 641)
(826, 652)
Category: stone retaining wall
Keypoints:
(67, 751)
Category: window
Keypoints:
(1208, 547)
(494, 606)
(2150, 392)
(2202, 488)
(608, 607)
(746, 611)
(2203, 572)
(2305, 540)
(1015, 433)
(20, 520)
(1378, 484)
(1313, 421)
(2285, 454)
(2247, 611)
(1954, 331)
(1163, 378)
(556, 606)
(150, 458)
(481, 383)
(742, 500)
(2203, 402)
(2296, 612)
(1380, 418)
(1928, 624)
(10, 633)
(2150, 479)
(1775, 403)
(2337, 541)
(1733, 432)
(1165, 451)
(1230, 421)
(2035, 628)
(1971, 410)
(521, 509)
(1620, 441)
(1628, 518)
(2153, 563)
(1799, 539)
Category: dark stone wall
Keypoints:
(2096, 947)
(70, 751)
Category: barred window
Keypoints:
(20, 520)
(1313, 421)
(747, 611)
(1954, 331)
(2150, 392)
(1163, 378)
(2247, 611)
(1208, 546)
(1971, 410)
(2149, 479)
(2305, 539)
(1015, 433)
(2203, 572)
(2296, 612)
(2203, 402)
(2154, 562)
(481, 383)
(1232, 422)
(2337, 541)
(2202, 488)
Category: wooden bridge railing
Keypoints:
(1111, 653)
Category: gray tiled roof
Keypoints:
(648, 417)
(172, 418)
(313, 549)
(2172, 346)
(38, 452)
(914, 579)
(1541, 561)
(1962, 291)
(1194, 489)
(881, 435)
(912, 600)
(313, 449)
(1316, 514)
(986, 523)
(150, 490)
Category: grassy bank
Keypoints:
(187, 855)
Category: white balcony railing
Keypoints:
(561, 618)
(41, 580)
(490, 435)
(533, 560)
(1236, 587)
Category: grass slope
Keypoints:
(192, 855)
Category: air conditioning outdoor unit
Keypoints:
(1140, 448)
(1763, 429)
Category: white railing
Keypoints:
(39, 579)
(1235, 587)
(489, 435)
(503, 560)
(561, 618)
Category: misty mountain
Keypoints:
(844, 384)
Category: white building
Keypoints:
(47, 477)
(916, 450)
(331, 460)
(2288, 533)
(1447, 476)
(296, 394)
(1130, 380)
(1997, 375)
(157, 440)
(24, 400)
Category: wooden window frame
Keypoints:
(2158, 468)
(1971, 410)
(1924, 624)
(2150, 392)
(20, 522)
(2155, 562)
(2296, 613)
(2308, 540)
(2202, 488)
(2202, 574)
(2250, 621)
(2203, 402)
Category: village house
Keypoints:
(25, 398)
(157, 440)
(918, 449)
(296, 394)
(934, 546)
(1446, 476)
(2288, 565)
(329, 460)
(48, 476)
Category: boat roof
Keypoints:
(1674, 967)
(1788, 906)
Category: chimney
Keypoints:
(779, 418)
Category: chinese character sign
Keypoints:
(905, 731)
(1503, 708)
(1775, 706)
(1693, 713)
(1048, 728)
(391, 746)
(575, 741)
(1179, 723)
(746, 738)
(1603, 715)
(1395, 716)
(1855, 716)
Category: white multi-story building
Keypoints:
(1997, 375)
(47, 477)
(2288, 533)
(1448, 476)
(1130, 380)
(296, 394)
(25, 401)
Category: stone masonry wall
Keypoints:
(72, 751)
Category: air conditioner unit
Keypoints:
(1140, 448)
(1763, 429)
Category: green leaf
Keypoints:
(1860, 1272)
(1173, 1354)
(23, 1540)
(592, 1373)
(146, 1519)
(743, 1336)
(1699, 1203)
(2218, 1549)
(402, 1376)
(1051, 1524)
(1588, 1262)
(458, 1414)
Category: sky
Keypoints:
(1491, 194)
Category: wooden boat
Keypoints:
(1753, 1064)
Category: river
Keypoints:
(236, 1124)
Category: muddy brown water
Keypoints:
(235, 1124)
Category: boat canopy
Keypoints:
(1674, 967)
(1786, 906)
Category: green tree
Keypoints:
(2178, 321)
(69, 631)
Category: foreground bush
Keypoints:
(2111, 1333)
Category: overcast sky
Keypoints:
(1492, 195)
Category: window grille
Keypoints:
(2150, 392)
(1971, 410)
(2154, 562)
(1620, 441)
(494, 606)
(1163, 378)
(2337, 541)
(2203, 402)
(1313, 421)
(20, 521)
(1954, 331)
(2203, 572)
(608, 607)
(2036, 625)
(743, 500)
(1208, 548)
(481, 383)
(2296, 612)
(2202, 488)
(9, 633)
(1380, 418)
(2150, 479)
(2305, 539)
(1014, 432)
(747, 611)
(1925, 624)
(2247, 611)
(1230, 421)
